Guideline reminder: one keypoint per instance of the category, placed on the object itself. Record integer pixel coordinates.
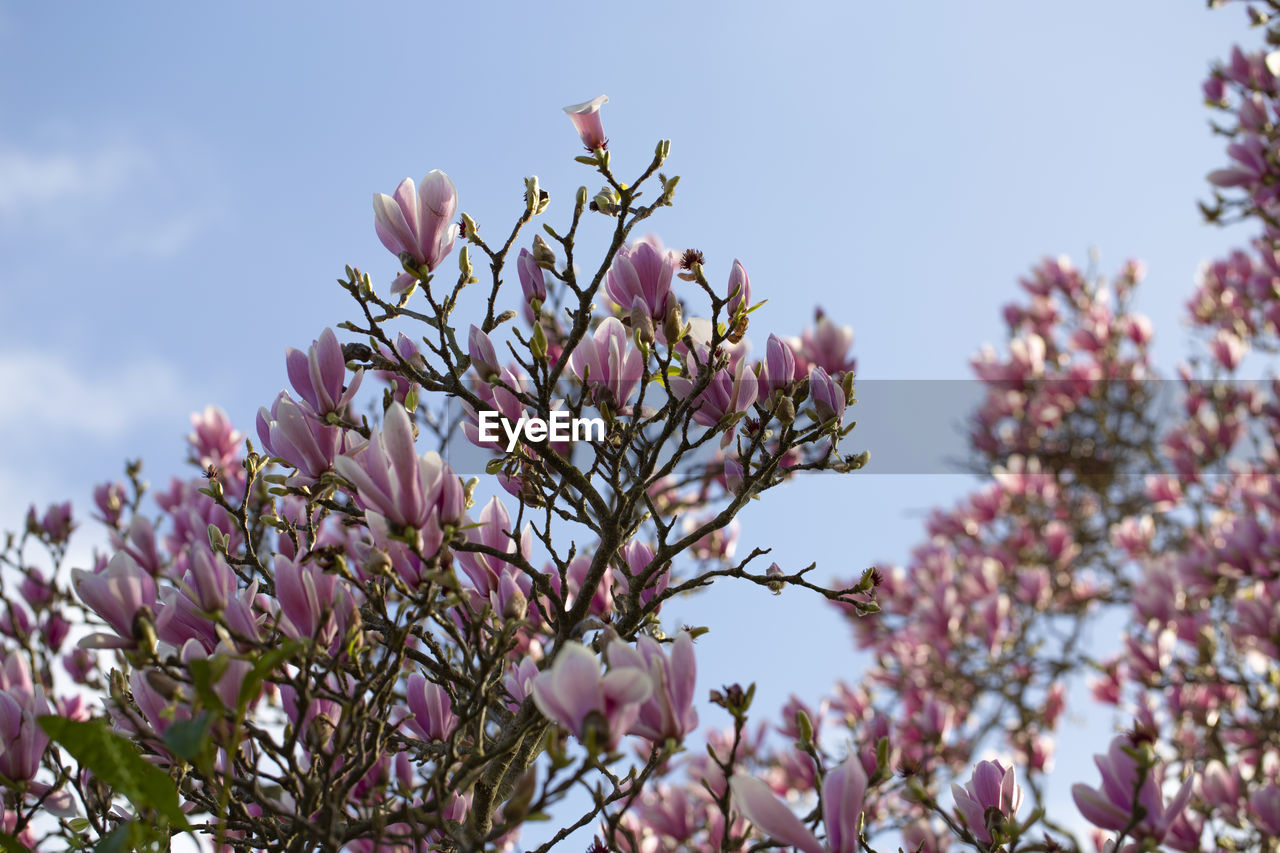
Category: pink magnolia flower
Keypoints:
(640, 277)
(739, 289)
(420, 495)
(827, 395)
(594, 705)
(669, 711)
(117, 594)
(290, 433)
(842, 795)
(317, 375)
(417, 223)
(639, 559)
(533, 280)
(213, 440)
(493, 531)
(731, 391)
(1265, 806)
(484, 358)
(827, 345)
(1111, 806)
(992, 786)
(21, 703)
(778, 372)
(586, 120)
(54, 526)
(110, 499)
(433, 718)
(314, 604)
(608, 364)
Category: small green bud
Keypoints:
(469, 227)
(786, 410)
(673, 325)
(846, 385)
(543, 255)
(642, 323)
(538, 344)
(532, 194)
(581, 198)
(805, 727)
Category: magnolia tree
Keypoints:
(422, 610)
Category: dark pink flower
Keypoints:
(417, 223)
(992, 786)
(586, 120)
(433, 718)
(318, 375)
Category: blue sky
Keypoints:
(180, 185)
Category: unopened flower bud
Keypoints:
(469, 227)
(379, 563)
(595, 731)
(543, 254)
(532, 194)
(786, 410)
(642, 323)
(774, 571)
(538, 343)
(673, 324)
(804, 727)
(163, 684)
(517, 606)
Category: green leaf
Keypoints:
(114, 760)
(188, 738)
(263, 667)
(12, 845)
(205, 673)
(124, 838)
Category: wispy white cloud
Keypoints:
(47, 395)
(113, 198)
(45, 185)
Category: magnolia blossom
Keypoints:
(23, 741)
(533, 280)
(778, 371)
(494, 531)
(669, 711)
(586, 120)
(992, 786)
(116, 594)
(640, 279)
(594, 705)
(842, 795)
(827, 395)
(433, 718)
(739, 289)
(417, 223)
(730, 391)
(608, 364)
(419, 495)
(827, 345)
(314, 604)
(290, 433)
(1111, 805)
(318, 375)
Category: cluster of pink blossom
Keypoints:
(349, 640)
(328, 644)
